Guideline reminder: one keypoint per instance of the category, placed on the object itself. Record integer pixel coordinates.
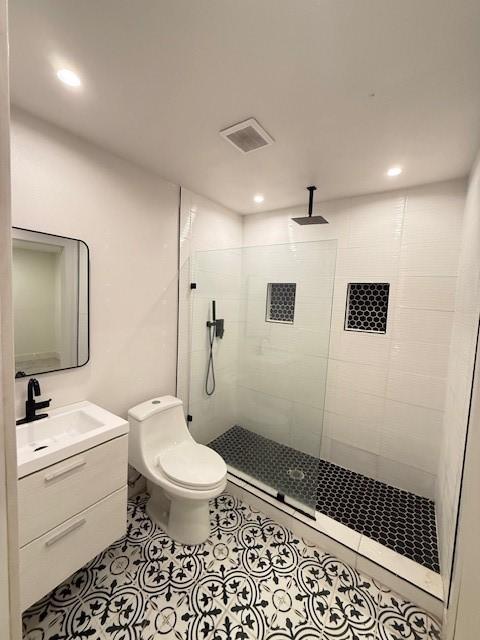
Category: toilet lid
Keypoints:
(193, 465)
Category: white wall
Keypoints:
(385, 393)
(460, 371)
(128, 217)
(208, 228)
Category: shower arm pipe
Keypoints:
(310, 200)
(310, 218)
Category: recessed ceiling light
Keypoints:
(258, 198)
(69, 77)
(394, 171)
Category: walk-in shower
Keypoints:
(257, 395)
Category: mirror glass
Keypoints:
(50, 302)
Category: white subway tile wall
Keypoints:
(460, 370)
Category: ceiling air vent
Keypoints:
(247, 136)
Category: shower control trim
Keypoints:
(219, 327)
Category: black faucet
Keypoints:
(31, 406)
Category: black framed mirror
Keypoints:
(51, 280)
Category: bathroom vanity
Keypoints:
(72, 493)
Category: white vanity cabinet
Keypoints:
(68, 513)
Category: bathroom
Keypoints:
(239, 313)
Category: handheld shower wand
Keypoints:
(215, 330)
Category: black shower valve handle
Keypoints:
(219, 328)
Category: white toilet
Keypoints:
(181, 475)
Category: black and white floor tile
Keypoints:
(397, 519)
(253, 579)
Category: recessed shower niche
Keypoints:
(281, 302)
(367, 307)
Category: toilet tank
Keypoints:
(155, 425)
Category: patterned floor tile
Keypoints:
(353, 610)
(168, 620)
(401, 620)
(73, 623)
(312, 595)
(284, 603)
(253, 579)
(267, 549)
(48, 617)
(227, 604)
(118, 610)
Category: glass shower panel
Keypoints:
(217, 277)
(265, 416)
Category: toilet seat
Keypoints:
(193, 466)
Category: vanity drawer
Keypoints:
(52, 495)
(50, 559)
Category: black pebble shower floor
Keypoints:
(397, 519)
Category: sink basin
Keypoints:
(66, 432)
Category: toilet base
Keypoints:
(158, 506)
(189, 520)
(186, 521)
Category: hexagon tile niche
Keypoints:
(281, 302)
(367, 307)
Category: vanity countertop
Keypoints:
(65, 432)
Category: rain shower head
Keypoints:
(310, 219)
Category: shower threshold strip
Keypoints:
(414, 581)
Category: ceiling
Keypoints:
(346, 88)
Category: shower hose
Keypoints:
(210, 383)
